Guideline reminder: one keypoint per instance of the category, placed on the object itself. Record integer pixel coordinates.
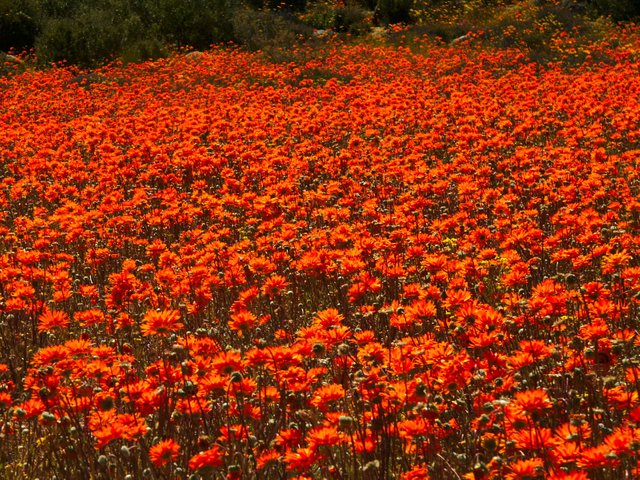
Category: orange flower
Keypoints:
(88, 318)
(525, 469)
(164, 452)
(326, 394)
(597, 457)
(418, 472)
(51, 319)
(266, 459)
(302, 459)
(324, 436)
(211, 458)
(243, 320)
(5, 400)
(534, 438)
(532, 401)
(328, 318)
(419, 311)
(161, 322)
(362, 259)
(108, 426)
(274, 285)
(615, 261)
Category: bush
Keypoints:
(321, 15)
(86, 33)
(143, 49)
(347, 17)
(88, 37)
(197, 23)
(393, 11)
(59, 8)
(18, 24)
(80, 39)
(352, 19)
(265, 29)
(617, 9)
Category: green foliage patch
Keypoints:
(90, 32)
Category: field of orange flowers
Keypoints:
(365, 264)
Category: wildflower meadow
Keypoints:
(361, 262)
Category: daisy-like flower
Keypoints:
(525, 469)
(51, 319)
(164, 452)
(161, 322)
(207, 459)
(531, 401)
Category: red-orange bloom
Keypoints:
(243, 320)
(302, 459)
(164, 452)
(324, 436)
(274, 285)
(525, 469)
(161, 322)
(5, 400)
(326, 394)
(266, 459)
(208, 459)
(51, 319)
(531, 401)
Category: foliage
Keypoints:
(197, 23)
(393, 11)
(617, 9)
(87, 37)
(89, 32)
(343, 17)
(267, 30)
(18, 25)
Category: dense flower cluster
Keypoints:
(370, 264)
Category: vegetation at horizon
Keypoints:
(89, 33)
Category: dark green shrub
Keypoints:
(352, 18)
(617, 9)
(320, 14)
(369, 4)
(349, 17)
(197, 23)
(143, 49)
(393, 11)
(266, 29)
(87, 32)
(88, 37)
(59, 8)
(18, 24)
